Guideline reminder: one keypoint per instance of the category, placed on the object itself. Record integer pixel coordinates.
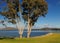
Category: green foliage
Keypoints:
(13, 8)
(34, 9)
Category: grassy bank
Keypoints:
(53, 38)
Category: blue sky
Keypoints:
(52, 18)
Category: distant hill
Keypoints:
(46, 29)
(51, 28)
(12, 28)
(8, 28)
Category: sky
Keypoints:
(52, 18)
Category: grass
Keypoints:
(54, 38)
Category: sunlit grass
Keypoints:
(54, 38)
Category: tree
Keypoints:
(32, 10)
(13, 7)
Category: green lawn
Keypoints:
(54, 38)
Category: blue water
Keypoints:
(16, 34)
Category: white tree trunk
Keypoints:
(20, 28)
(29, 29)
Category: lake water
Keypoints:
(16, 34)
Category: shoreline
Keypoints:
(43, 35)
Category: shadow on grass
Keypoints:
(1, 38)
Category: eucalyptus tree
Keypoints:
(12, 16)
(32, 10)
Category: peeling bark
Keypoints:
(20, 30)
(29, 28)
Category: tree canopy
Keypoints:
(34, 9)
(31, 8)
(13, 8)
